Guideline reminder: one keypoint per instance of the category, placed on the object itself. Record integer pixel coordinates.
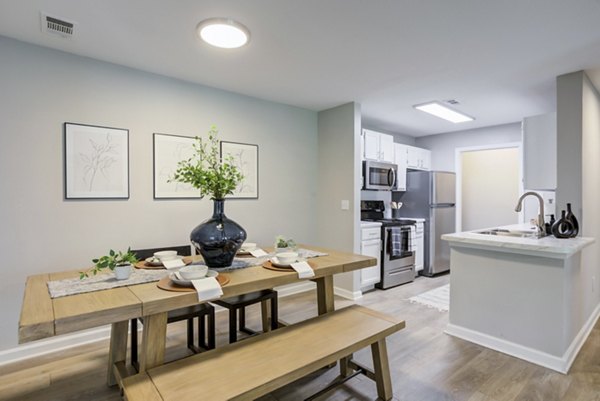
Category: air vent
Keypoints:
(57, 26)
(452, 101)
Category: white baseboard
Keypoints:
(344, 293)
(560, 364)
(58, 343)
(580, 338)
(54, 344)
(297, 288)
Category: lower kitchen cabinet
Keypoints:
(419, 246)
(370, 245)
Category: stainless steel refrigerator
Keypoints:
(432, 195)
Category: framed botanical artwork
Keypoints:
(169, 150)
(96, 162)
(245, 157)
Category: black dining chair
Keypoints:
(204, 312)
(237, 311)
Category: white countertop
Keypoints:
(547, 246)
(369, 224)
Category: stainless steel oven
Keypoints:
(379, 176)
(397, 255)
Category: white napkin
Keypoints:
(173, 263)
(208, 288)
(257, 253)
(304, 270)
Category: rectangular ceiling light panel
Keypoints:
(439, 110)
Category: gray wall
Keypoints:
(41, 232)
(569, 114)
(339, 179)
(443, 146)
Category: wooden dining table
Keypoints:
(43, 316)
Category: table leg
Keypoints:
(118, 348)
(325, 300)
(153, 341)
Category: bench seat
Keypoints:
(260, 365)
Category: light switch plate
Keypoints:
(345, 204)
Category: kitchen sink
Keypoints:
(509, 233)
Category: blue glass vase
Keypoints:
(219, 238)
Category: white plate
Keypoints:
(188, 283)
(159, 263)
(275, 262)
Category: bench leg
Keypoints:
(118, 348)
(382, 370)
(153, 341)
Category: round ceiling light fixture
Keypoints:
(223, 32)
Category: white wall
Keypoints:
(490, 188)
(578, 139)
(41, 232)
(339, 179)
(443, 146)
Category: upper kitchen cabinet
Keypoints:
(400, 154)
(418, 158)
(378, 146)
(539, 152)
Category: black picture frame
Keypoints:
(246, 158)
(167, 151)
(96, 162)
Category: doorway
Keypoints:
(488, 183)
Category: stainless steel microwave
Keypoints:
(379, 176)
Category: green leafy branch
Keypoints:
(110, 261)
(207, 171)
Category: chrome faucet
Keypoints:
(541, 228)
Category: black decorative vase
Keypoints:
(571, 217)
(218, 239)
(562, 228)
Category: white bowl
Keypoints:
(248, 246)
(287, 258)
(193, 272)
(165, 255)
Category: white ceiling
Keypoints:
(499, 59)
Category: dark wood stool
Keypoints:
(204, 312)
(239, 303)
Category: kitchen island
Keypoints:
(520, 295)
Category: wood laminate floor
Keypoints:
(426, 364)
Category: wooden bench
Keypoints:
(259, 365)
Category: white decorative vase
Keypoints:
(123, 272)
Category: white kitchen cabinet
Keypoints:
(400, 159)
(426, 159)
(418, 158)
(539, 152)
(378, 146)
(386, 147)
(370, 245)
(419, 246)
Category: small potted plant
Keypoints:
(119, 262)
(283, 245)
